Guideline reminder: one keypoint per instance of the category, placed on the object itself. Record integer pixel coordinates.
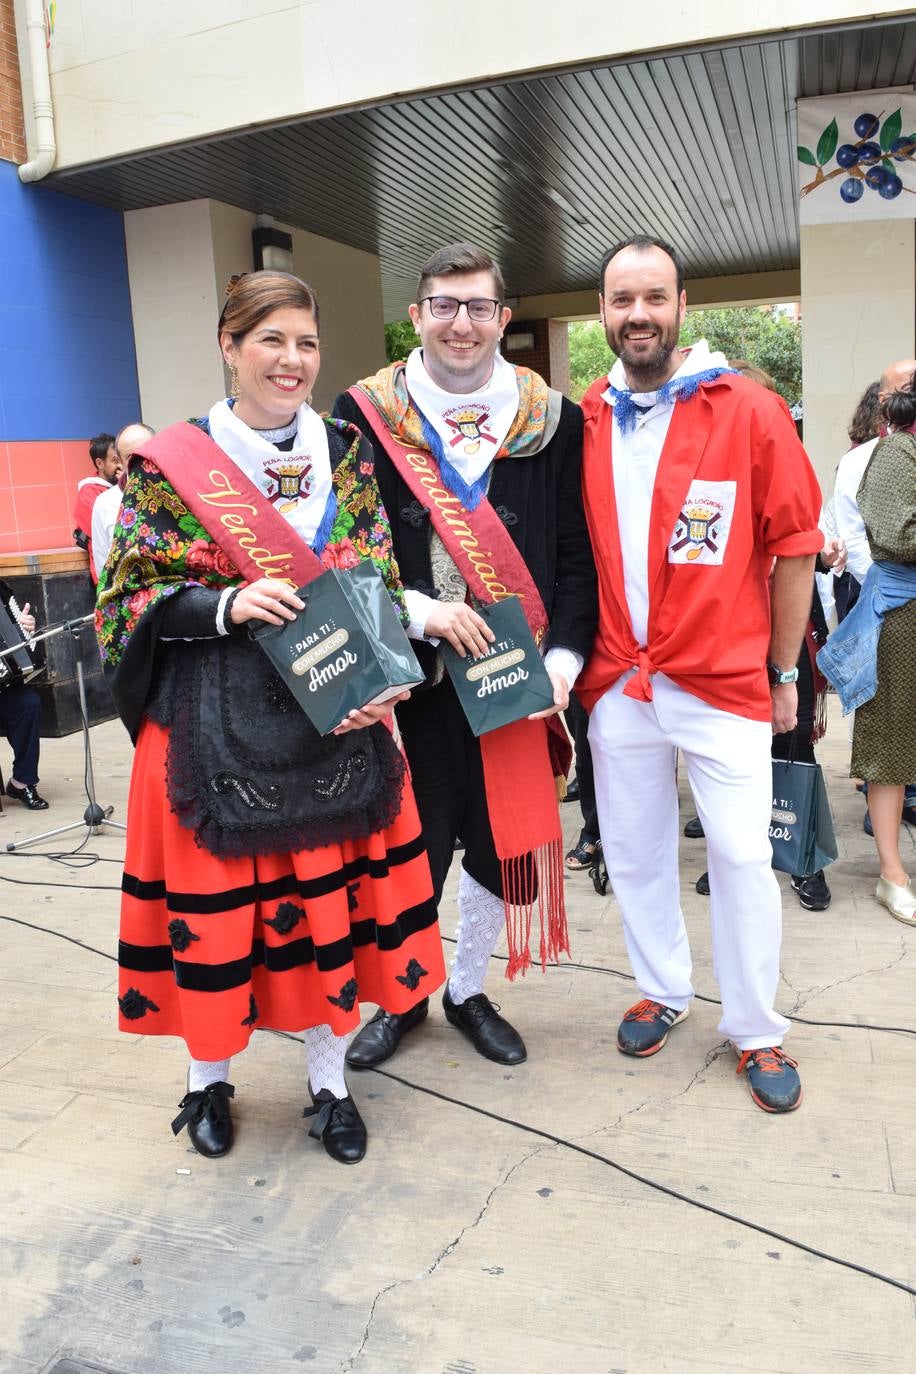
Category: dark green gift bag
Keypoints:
(345, 649)
(801, 827)
(508, 683)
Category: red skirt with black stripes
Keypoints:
(212, 949)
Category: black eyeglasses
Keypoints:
(481, 311)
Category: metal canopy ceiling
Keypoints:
(544, 172)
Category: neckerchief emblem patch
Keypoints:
(291, 481)
(468, 422)
(701, 530)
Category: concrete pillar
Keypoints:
(180, 259)
(857, 290)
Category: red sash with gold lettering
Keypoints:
(229, 506)
(518, 759)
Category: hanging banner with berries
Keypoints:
(857, 157)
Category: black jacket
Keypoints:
(539, 500)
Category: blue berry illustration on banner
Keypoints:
(856, 157)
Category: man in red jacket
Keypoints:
(694, 483)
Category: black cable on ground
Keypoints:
(714, 1001)
(636, 1178)
(589, 968)
(558, 1140)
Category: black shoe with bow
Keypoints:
(380, 1037)
(489, 1033)
(338, 1125)
(208, 1119)
(28, 795)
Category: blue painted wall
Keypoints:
(68, 368)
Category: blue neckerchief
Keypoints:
(675, 389)
(323, 532)
(469, 496)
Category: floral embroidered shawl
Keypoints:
(159, 547)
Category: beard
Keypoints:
(645, 368)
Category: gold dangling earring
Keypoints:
(235, 391)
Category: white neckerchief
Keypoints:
(298, 483)
(473, 425)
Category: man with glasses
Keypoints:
(502, 513)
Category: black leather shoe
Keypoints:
(489, 1033)
(208, 1119)
(380, 1037)
(693, 830)
(28, 795)
(572, 791)
(702, 884)
(338, 1125)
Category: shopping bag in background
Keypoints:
(506, 684)
(801, 827)
(345, 649)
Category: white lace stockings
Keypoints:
(481, 921)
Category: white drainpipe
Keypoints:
(41, 164)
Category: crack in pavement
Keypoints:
(443, 1254)
(712, 1055)
(816, 989)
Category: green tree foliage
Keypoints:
(400, 338)
(763, 337)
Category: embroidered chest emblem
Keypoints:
(469, 423)
(702, 528)
(289, 481)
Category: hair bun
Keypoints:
(234, 280)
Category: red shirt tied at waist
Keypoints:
(731, 459)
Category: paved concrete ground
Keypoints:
(461, 1245)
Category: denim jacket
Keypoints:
(849, 659)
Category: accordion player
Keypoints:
(20, 707)
(18, 665)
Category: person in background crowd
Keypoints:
(20, 721)
(107, 462)
(871, 656)
(864, 427)
(105, 510)
(694, 482)
(304, 881)
(506, 450)
(586, 850)
(849, 523)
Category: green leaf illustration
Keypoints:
(806, 155)
(826, 144)
(890, 130)
(888, 165)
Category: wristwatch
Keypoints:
(779, 677)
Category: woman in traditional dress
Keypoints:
(273, 877)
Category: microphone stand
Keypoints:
(95, 816)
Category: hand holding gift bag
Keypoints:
(509, 682)
(344, 650)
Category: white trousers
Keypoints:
(633, 747)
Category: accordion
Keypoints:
(18, 665)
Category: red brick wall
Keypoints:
(38, 491)
(550, 354)
(12, 131)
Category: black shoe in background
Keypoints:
(812, 891)
(693, 830)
